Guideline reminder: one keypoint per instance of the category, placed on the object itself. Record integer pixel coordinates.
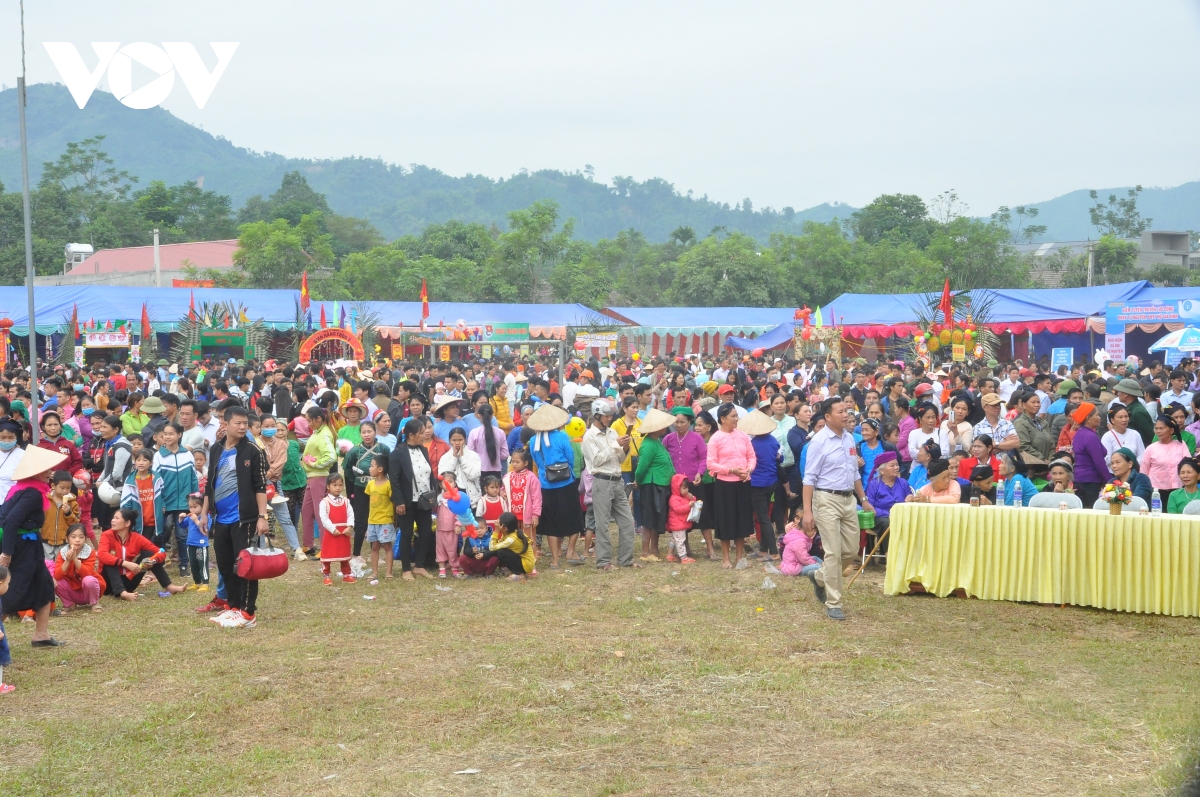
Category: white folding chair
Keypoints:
(1052, 500)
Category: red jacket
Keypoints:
(88, 565)
(112, 551)
(64, 446)
(678, 507)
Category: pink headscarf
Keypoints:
(42, 487)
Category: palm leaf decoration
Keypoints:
(973, 308)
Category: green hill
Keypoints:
(155, 145)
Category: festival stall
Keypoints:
(1039, 318)
(106, 316)
(416, 327)
(658, 331)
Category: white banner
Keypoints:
(104, 340)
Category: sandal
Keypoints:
(407, 576)
(96, 607)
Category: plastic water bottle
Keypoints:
(1000, 492)
(1017, 500)
(1155, 503)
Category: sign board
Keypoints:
(397, 351)
(1114, 345)
(106, 340)
(601, 340)
(1118, 314)
(1059, 357)
(524, 350)
(487, 352)
(215, 338)
(444, 353)
(1175, 357)
(135, 353)
(501, 332)
(958, 352)
(79, 356)
(328, 334)
(192, 283)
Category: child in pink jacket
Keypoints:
(678, 508)
(796, 542)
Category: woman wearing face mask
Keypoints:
(12, 435)
(79, 426)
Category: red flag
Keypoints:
(304, 302)
(192, 307)
(227, 320)
(946, 306)
(323, 322)
(147, 329)
(424, 300)
(75, 320)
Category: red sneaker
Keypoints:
(215, 605)
(348, 579)
(328, 581)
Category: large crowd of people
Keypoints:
(149, 476)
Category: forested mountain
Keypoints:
(155, 145)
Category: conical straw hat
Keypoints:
(655, 420)
(37, 460)
(756, 423)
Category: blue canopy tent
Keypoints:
(166, 306)
(544, 320)
(694, 330)
(777, 338)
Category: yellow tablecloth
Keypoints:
(1128, 562)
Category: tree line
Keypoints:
(896, 244)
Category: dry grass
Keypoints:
(336, 695)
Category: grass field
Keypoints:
(662, 681)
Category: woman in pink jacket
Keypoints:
(730, 460)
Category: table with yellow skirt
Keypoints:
(1127, 562)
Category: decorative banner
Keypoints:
(397, 351)
(1114, 345)
(328, 334)
(958, 352)
(444, 353)
(106, 340)
(525, 350)
(79, 356)
(192, 283)
(487, 352)
(1061, 357)
(135, 353)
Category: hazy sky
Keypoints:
(786, 103)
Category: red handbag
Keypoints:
(257, 563)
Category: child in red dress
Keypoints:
(492, 504)
(524, 493)
(337, 529)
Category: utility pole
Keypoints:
(1091, 264)
(157, 262)
(29, 274)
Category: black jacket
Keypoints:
(401, 470)
(251, 477)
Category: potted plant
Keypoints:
(1117, 494)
